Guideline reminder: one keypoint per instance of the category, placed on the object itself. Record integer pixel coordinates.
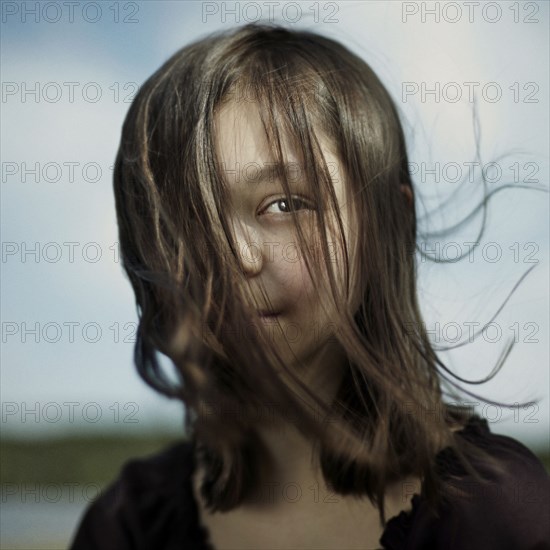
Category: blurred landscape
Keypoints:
(47, 485)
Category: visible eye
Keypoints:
(287, 205)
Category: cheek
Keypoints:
(310, 315)
(342, 254)
(307, 299)
(293, 278)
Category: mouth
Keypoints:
(268, 314)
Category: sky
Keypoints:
(69, 72)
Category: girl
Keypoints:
(267, 226)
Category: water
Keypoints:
(34, 525)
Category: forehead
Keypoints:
(240, 136)
(243, 147)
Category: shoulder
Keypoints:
(147, 506)
(511, 511)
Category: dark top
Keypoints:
(151, 506)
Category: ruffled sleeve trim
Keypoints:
(499, 517)
(398, 528)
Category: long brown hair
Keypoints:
(181, 260)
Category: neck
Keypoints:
(290, 453)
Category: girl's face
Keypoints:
(266, 240)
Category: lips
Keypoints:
(267, 313)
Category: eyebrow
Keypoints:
(265, 173)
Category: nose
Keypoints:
(249, 249)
